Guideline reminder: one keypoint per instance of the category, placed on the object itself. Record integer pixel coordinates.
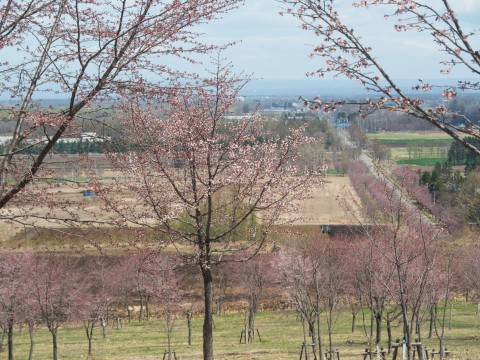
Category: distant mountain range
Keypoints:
(325, 88)
(306, 87)
(331, 88)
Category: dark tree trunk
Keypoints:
(140, 315)
(450, 317)
(354, 320)
(389, 332)
(418, 329)
(118, 321)
(89, 325)
(319, 335)
(317, 316)
(10, 338)
(364, 322)
(378, 328)
(31, 328)
(55, 345)
(89, 336)
(251, 323)
(208, 320)
(169, 332)
(147, 308)
(441, 350)
(189, 325)
(330, 333)
(433, 318)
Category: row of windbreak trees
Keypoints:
(64, 147)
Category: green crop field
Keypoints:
(280, 332)
(420, 161)
(421, 148)
(402, 139)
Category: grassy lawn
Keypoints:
(281, 335)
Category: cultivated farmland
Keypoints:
(419, 148)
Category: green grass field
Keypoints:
(281, 335)
(412, 139)
(421, 149)
(420, 161)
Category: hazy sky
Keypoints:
(273, 47)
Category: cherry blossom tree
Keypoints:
(92, 305)
(345, 53)
(164, 285)
(333, 274)
(299, 274)
(440, 296)
(189, 310)
(198, 180)
(253, 275)
(399, 237)
(13, 293)
(468, 273)
(314, 274)
(224, 281)
(84, 51)
(55, 284)
(373, 276)
(121, 282)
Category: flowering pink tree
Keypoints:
(56, 285)
(13, 293)
(299, 274)
(468, 273)
(374, 277)
(253, 276)
(189, 310)
(164, 286)
(345, 53)
(91, 307)
(84, 51)
(200, 180)
(402, 247)
(315, 276)
(121, 283)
